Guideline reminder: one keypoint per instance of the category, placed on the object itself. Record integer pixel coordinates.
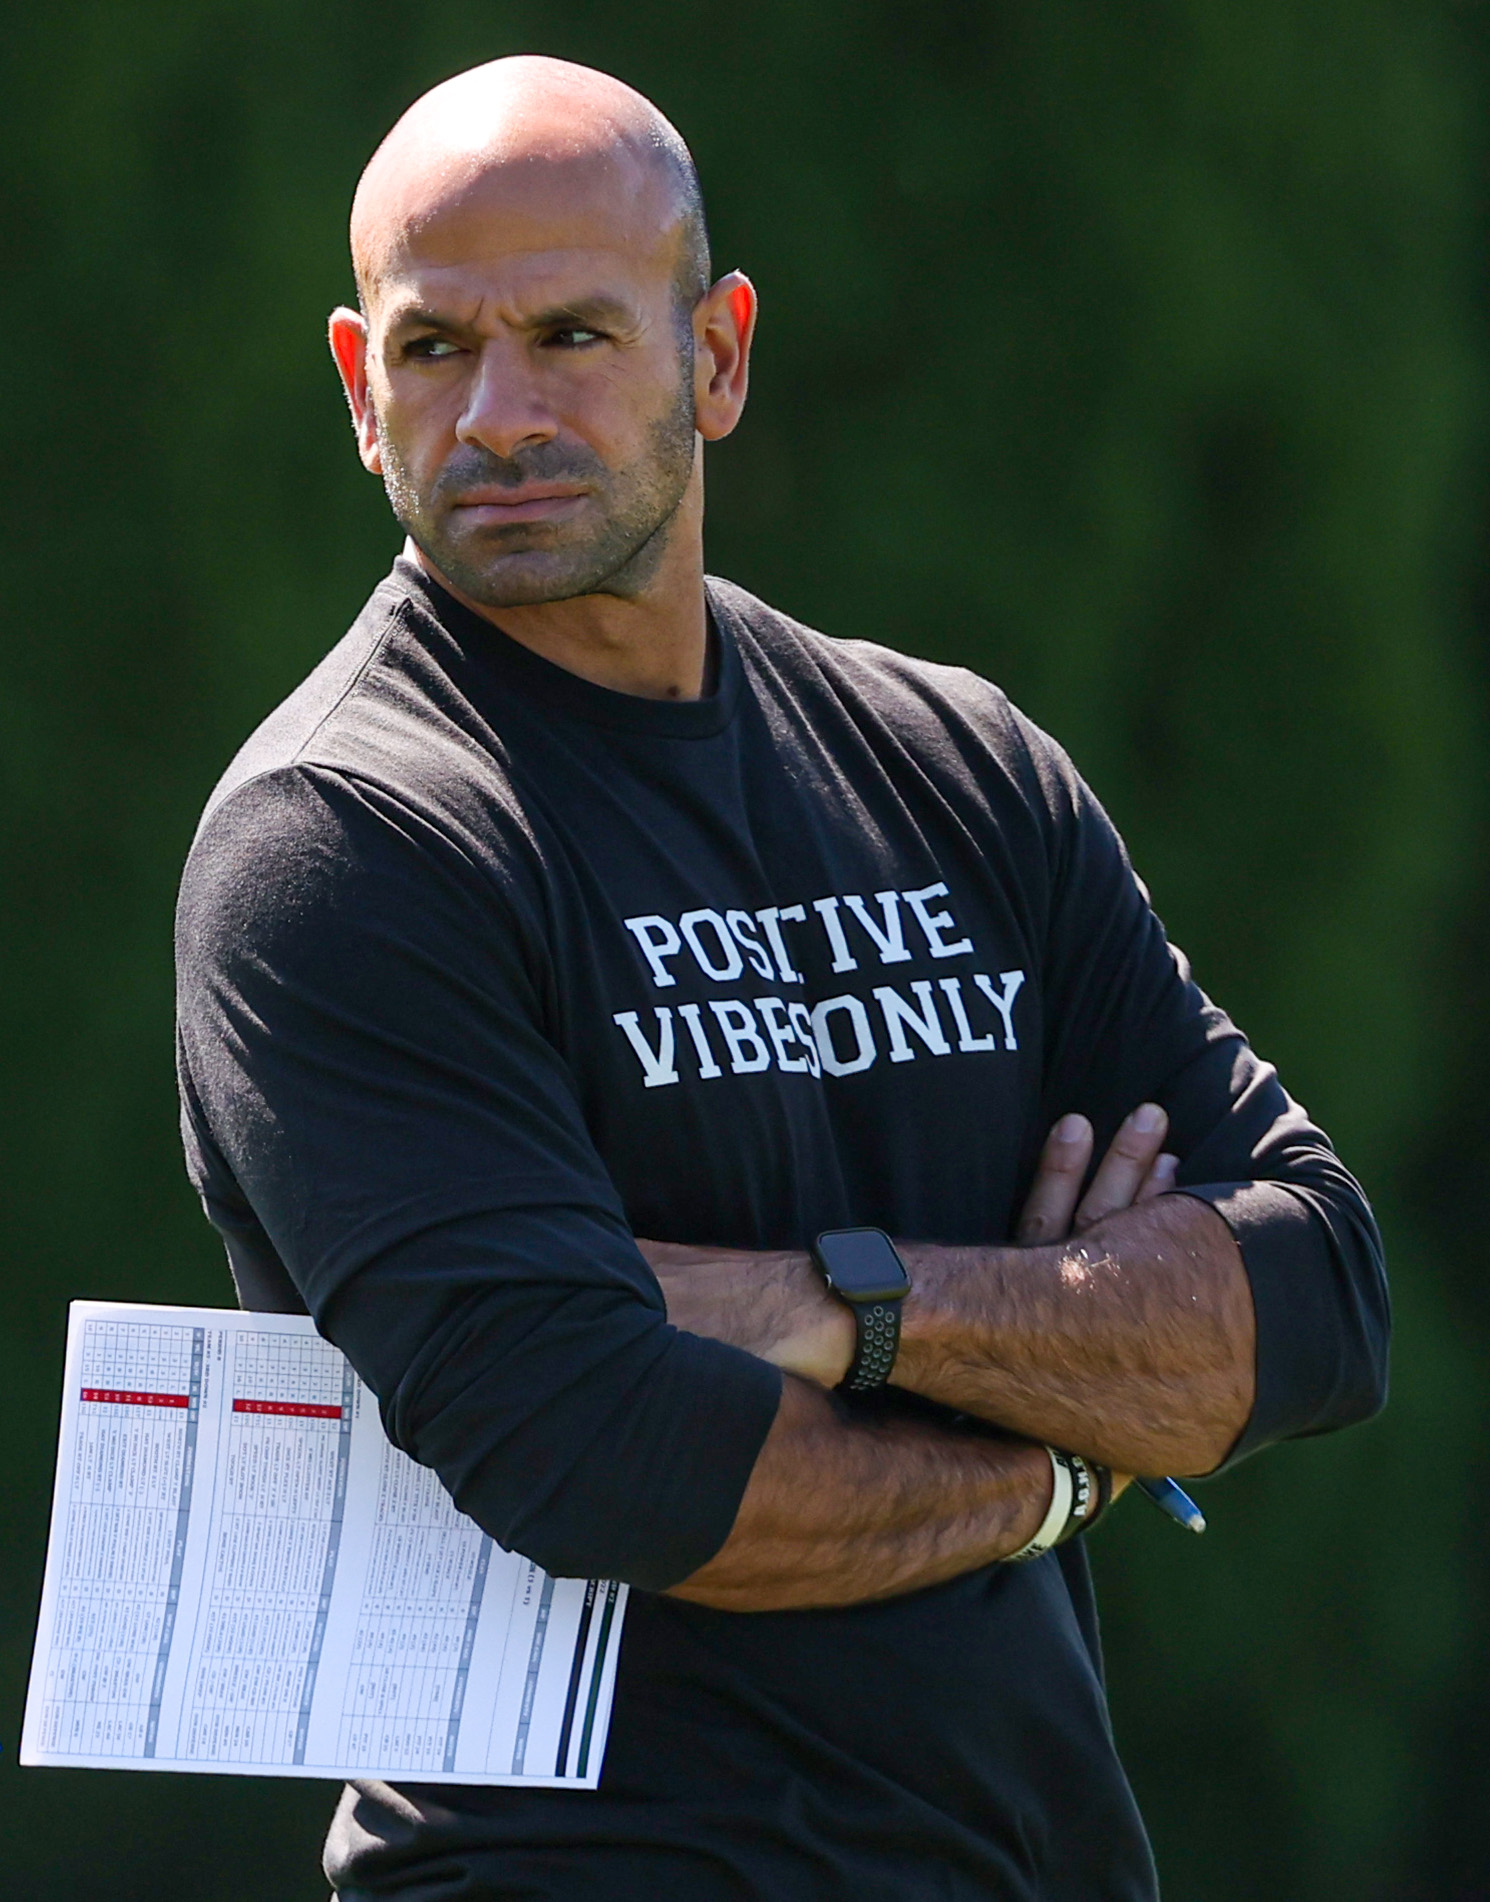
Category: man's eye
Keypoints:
(431, 349)
(573, 337)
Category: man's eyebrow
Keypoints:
(599, 309)
(417, 317)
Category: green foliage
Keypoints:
(1127, 355)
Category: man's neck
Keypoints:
(654, 644)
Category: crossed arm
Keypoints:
(1131, 1340)
(453, 1227)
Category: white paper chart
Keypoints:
(245, 1576)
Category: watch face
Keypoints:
(861, 1264)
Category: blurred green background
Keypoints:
(1135, 356)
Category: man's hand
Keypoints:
(1134, 1169)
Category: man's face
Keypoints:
(531, 379)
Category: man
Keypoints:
(574, 899)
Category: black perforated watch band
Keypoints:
(878, 1344)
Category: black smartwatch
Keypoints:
(861, 1266)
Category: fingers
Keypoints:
(1126, 1168)
(1135, 1169)
(1160, 1178)
(1051, 1202)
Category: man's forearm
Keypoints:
(1132, 1343)
(841, 1510)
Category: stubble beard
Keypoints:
(529, 564)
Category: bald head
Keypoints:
(540, 355)
(548, 147)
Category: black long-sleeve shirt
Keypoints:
(486, 969)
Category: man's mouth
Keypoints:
(494, 506)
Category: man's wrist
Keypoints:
(864, 1271)
(823, 1338)
(770, 1302)
(1078, 1490)
(803, 1329)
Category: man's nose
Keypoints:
(505, 410)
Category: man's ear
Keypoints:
(723, 327)
(346, 331)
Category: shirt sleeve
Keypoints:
(374, 1113)
(1125, 1024)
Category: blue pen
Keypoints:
(1175, 1501)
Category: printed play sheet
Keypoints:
(245, 1576)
